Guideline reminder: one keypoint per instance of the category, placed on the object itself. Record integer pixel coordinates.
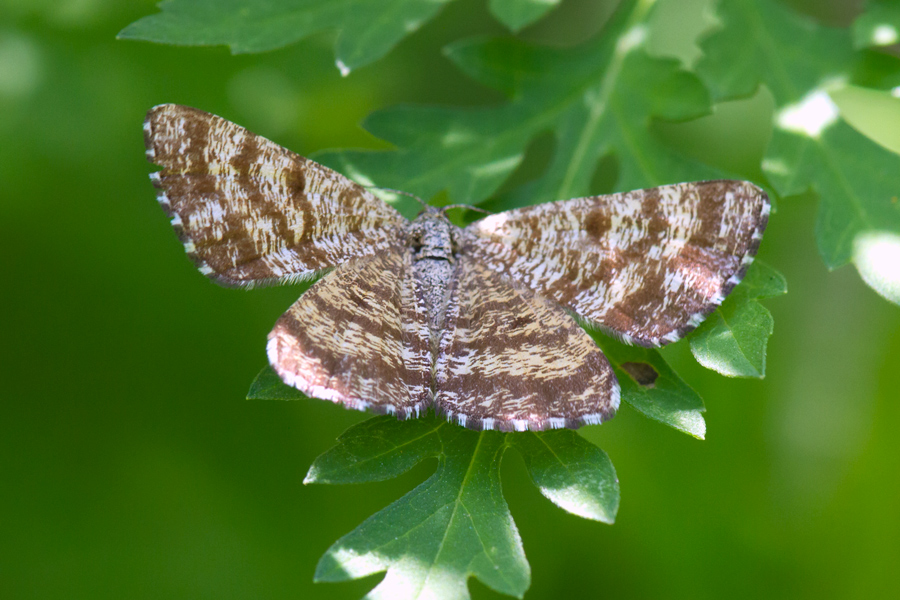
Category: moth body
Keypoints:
(434, 241)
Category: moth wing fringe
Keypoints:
(521, 425)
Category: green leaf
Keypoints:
(456, 524)
(856, 181)
(570, 471)
(516, 14)
(878, 26)
(732, 340)
(596, 99)
(377, 449)
(876, 255)
(268, 386)
(812, 147)
(368, 29)
(651, 386)
(762, 41)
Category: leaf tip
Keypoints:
(312, 476)
(605, 518)
(342, 67)
(876, 255)
(126, 33)
(693, 424)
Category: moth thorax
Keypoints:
(431, 236)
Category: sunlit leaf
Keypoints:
(456, 524)
(570, 471)
(812, 147)
(878, 26)
(651, 387)
(854, 177)
(877, 256)
(733, 339)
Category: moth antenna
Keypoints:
(466, 206)
(413, 196)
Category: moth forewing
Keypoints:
(252, 213)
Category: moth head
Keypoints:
(431, 235)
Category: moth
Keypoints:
(476, 322)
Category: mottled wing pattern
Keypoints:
(647, 266)
(251, 212)
(359, 337)
(511, 360)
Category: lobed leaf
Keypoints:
(854, 177)
(732, 340)
(368, 29)
(801, 62)
(766, 42)
(597, 99)
(456, 524)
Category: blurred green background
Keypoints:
(132, 467)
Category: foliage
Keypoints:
(368, 29)
(803, 65)
(878, 26)
(456, 523)
(596, 100)
(667, 398)
(732, 340)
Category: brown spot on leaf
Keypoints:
(643, 373)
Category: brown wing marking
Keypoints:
(251, 212)
(648, 266)
(511, 360)
(359, 337)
